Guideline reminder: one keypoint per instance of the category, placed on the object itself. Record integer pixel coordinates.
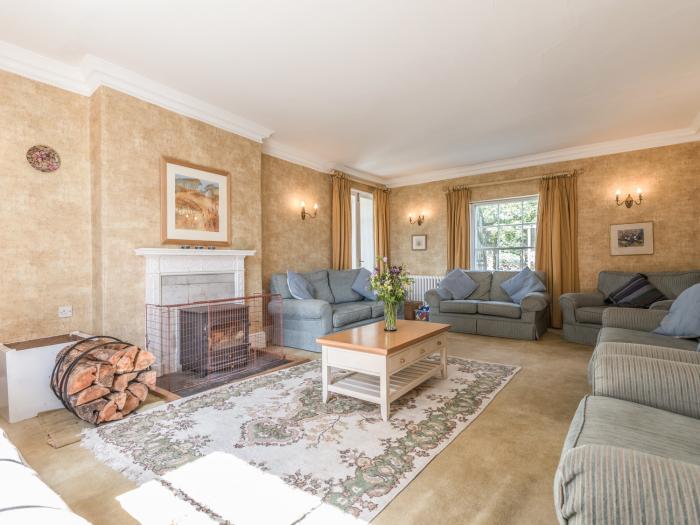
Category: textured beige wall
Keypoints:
(134, 135)
(669, 178)
(45, 253)
(289, 242)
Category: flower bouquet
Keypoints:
(390, 285)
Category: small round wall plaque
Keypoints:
(43, 158)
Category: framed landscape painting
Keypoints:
(632, 239)
(194, 204)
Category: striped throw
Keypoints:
(637, 292)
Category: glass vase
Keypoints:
(390, 316)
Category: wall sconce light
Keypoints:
(629, 201)
(419, 221)
(305, 214)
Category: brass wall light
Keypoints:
(419, 221)
(629, 201)
(305, 214)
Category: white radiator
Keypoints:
(421, 284)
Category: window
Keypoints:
(362, 230)
(504, 234)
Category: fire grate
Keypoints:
(206, 344)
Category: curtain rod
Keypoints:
(336, 173)
(511, 181)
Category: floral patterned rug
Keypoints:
(341, 453)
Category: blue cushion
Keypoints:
(458, 284)
(521, 284)
(299, 287)
(361, 285)
(683, 319)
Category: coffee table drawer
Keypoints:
(415, 353)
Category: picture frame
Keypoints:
(632, 239)
(195, 204)
(419, 242)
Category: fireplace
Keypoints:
(214, 338)
(206, 344)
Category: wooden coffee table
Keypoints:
(384, 365)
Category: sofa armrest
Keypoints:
(535, 302)
(433, 298)
(596, 481)
(658, 383)
(307, 309)
(633, 318)
(569, 302)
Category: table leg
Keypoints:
(443, 361)
(325, 375)
(384, 394)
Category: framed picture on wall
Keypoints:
(419, 242)
(632, 239)
(194, 207)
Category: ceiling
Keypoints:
(396, 91)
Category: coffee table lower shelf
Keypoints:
(367, 387)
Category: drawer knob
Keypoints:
(402, 360)
(439, 343)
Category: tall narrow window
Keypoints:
(504, 234)
(362, 230)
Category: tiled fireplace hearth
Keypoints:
(177, 276)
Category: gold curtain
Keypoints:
(381, 223)
(557, 243)
(341, 223)
(458, 228)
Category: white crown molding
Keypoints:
(43, 69)
(651, 140)
(95, 72)
(276, 149)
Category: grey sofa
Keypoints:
(335, 307)
(632, 453)
(489, 309)
(582, 313)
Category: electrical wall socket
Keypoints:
(65, 311)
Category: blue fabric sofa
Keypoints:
(335, 307)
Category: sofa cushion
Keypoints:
(498, 308)
(683, 319)
(319, 280)
(341, 282)
(590, 314)
(637, 291)
(662, 305)
(377, 308)
(499, 277)
(521, 284)
(361, 284)
(464, 306)
(458, 284)
(278, 285)
(348, 313)
(483, 279)
(299, 286)
(625, 335)
(607, 421)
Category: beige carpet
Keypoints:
(498, 471)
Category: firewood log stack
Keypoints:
(103, 379)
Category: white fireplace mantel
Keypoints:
(176, 261)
